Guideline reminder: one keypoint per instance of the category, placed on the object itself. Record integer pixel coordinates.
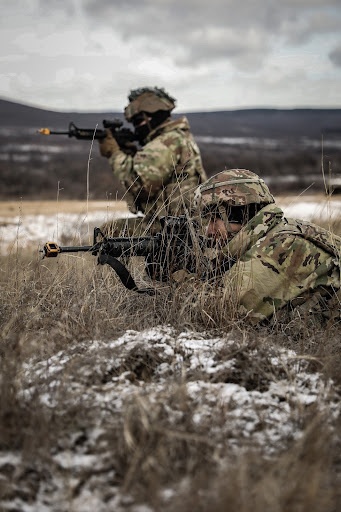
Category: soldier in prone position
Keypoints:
(160, 178)
(275, 263)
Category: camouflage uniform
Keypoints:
(162, 177)
(279, 261)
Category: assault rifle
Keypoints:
(175, 247)
(122, 135)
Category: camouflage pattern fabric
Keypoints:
(235, 187)
(281, 262)
(149, 100)
(161, 178)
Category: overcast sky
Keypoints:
(209, 54)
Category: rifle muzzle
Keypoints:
(51, 250)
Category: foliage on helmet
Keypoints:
(148, 99)
(234, 187)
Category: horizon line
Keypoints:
(189, 111)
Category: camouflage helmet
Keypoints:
(235, 187)
(148, 99)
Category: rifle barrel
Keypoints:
(52, 249)
(77, 248)
(47, 131)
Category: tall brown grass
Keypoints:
(46, 305)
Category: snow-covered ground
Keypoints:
(237, 398)
(23, 230)
(326, 209)
(27, 230)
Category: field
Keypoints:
(25, 223)
(11, 209)
(115, 401)
(36, 167)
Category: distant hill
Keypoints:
(17, 115)
(274, 123)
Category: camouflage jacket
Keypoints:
(163, 175)
(281, 262)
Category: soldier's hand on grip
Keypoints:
(108, 146)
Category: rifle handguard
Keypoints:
(174, 248)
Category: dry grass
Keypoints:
(45, 207)
(12, 208)
(280, 485)
(48, 305)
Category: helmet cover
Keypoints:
(148, 99)
(234, 187)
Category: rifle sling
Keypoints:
(123, 273)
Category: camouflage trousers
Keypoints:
(318, 308)
(130, 227)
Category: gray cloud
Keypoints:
(194, 31)
(176, 18)
(200, 31)
(88, 54)
(335, 56)
(212, 43)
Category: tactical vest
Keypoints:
(320, 237)
(322, 299)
